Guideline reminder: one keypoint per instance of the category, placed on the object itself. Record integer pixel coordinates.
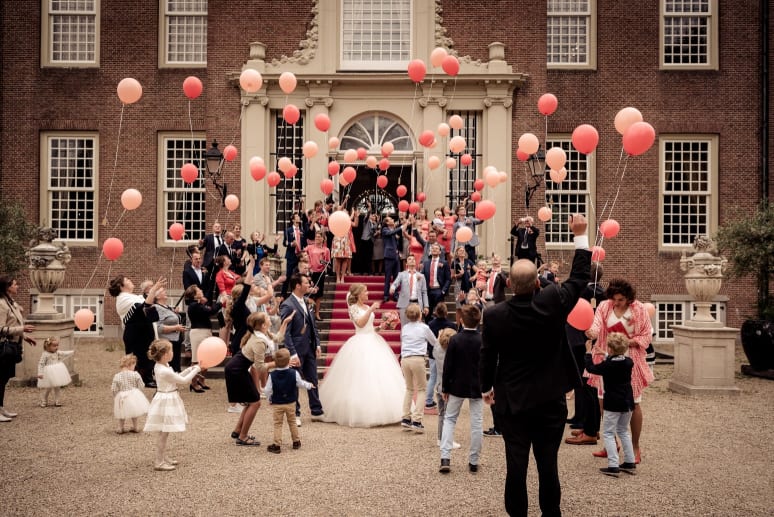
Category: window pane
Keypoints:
(186, 36)
(376, 31)
(71, 179)
(288, 142)
(568, 197)
(184, 203)
(567, 32)
(687, 185)
(462, 177)
(72, 31)
(686, 32)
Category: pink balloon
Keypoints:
(291, 114)
(371, 162)
(131, 199)
(291, 172)
(401, 190)
(326, 186)
(585, 138)
(339, 222)
(521, 155)
(492, 179)
(625, 118)
(176, 231)
(192, 87)
(343, 181)
(544, 214)
(273, 179)
(333, 168)
(450, 65)
(528, 143)
(558, 176)
(349, 174)
(478, 184)
(189, 172)
(464, 234)
(258, 171)
(310, 149)
(387, 149)
(361, 153)
(456, 122)
(650, 308)
(451, 163)
(556, 158)
(582, 315)
(333, 142)
(129, 90)
(466, 159)
(284, 164)
(403, 205)
(437, 56)
(503, 176)
(250, 80)
(112, 248)
(421, 197)
(485, 209)
(287, 82)
(426, 138)
(384, 164)
(381, 181)
(322, 122)
(609, 228)
(231, 202)
(475, 197)
(443, 129)
(547, 104)
(638, 138)
(417, 70)
(413, 207)
(457, 144)
(229, 153)
(598, 253)
(350, 155)
(83, 319)
(211, 352)
(433, 162)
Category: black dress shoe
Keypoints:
(472, 468)
(445, 466)
(150, 384)
(576, 425)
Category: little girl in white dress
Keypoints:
(52, 372)
(128, 399)
(364, 386)
(167, 412)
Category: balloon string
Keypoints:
(119, 220)
(96, 266)
(618, 167)
(618, 191)
(115, 164)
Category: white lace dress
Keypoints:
(364, 386)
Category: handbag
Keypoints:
(10, 351)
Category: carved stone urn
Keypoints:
(703, 277)
(47, 263)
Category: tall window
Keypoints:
(571, 196)
(70, 35)
(70, 171)
(373, 131)
(182, 203)
(689, 34)
(689, 181)
(288, 142)
(571, 34)
(462, 177)
(184, 33)
(375, 34)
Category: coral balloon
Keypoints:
(371, 162)
(544, 214)
(322, 122)
(421, 197)
(417, 70)
(291, 114)
(176, 231)
(349, 174)
(112, 248)
(192, 87)
(333, 143)
(598, 253)
(273, 179)
(503, 176)
(547, 104)
(413, 207)
(558, 176)
(291, 172)
(457, 144)
(129, 90)
(339, 222)
(443, 129)
(287, 82)
(401, 190)
(521, 155)
(350, 155)
(131, 199)
(384, 164)
(403, 205)
(466, 159)
(433, 163)
(426, 138)
(450, 65)
(464, 234)
(189, 172)
(231, 202)
(582, 315)
(229, 153)
(250, 80)
(310, 149)
(361, 153)
(485, 209)
(638, 138)
(381, 181)
(556, 158)
(609, 228)
(529, 143)
(258, 171)
(451, 163)
(475, 197)
(625, 118)
(211, 352)
(650, 308)
(492, 179)
(387, 149)
(83, 319)
(478, 184)
(333, 168)
(437, 56)
(343, 181)
(456, 122)
(284, 164)
(326, 186)
(585, 138)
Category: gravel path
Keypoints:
(701, 456)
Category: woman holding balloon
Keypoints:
(199, 316)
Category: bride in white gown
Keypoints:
(364, 386)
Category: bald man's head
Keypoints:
(523, 277)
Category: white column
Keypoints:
(255, 204)
(497, 153)
(434, 183)
(316, 168)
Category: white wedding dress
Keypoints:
(364, 386)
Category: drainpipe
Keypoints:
(763, 274)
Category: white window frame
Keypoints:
(589, 14)
(46, 189)
(711, 194)
(711, 17)
(686, 306)
(371, 63)
(47, 37)
(198, 188)
(68, 302)
(165, 17)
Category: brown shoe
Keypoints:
(581, 439)
(578, 432)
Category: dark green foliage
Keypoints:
(15, 234)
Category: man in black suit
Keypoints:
(524, 360)
(294, 241)
(438, 277)
(194, 273)
(495, 283)
(526, 238)
(210, 245)
(390, 234)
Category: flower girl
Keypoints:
(128, 399)
(52, 372)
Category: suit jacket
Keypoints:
(500, 283)
(530, 252)
(402, 286)
(211, 250)
(461, 365)
(524, 354)
(443, 275)
(190, 278)
(390, 241)
(301, 337)
(289, 240)
(426, 245)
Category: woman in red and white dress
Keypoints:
(621, 312)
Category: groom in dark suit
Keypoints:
(523, 370)
(302, 340)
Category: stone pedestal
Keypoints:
(704, 359)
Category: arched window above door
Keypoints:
(373, 131)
